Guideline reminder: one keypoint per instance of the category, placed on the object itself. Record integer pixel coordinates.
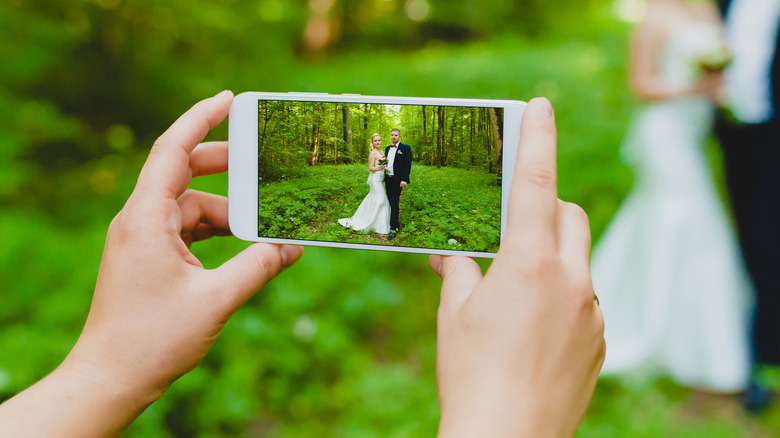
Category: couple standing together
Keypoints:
(668, 270)
(379, 210)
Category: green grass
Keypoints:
(445, 208)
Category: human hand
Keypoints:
(404, 184)
(156, 311)
(519, 351)
(710, 85)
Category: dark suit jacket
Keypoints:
(402, 165)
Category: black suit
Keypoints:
(402, 166)
(752, 167)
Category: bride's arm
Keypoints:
(646, 52)
(372, 157)
(647, 47)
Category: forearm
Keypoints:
(71, 403)
(657, 90)
(495, 412)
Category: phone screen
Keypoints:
(420, 176)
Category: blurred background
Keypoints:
(87, 85)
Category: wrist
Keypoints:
(496, 412)
(76, 400)
(109, 379)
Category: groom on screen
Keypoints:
(399, 157)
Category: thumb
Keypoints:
(245, 274)
(459, 275)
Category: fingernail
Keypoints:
(436, 262)
(289, 255)
(542, 105)
(221, 93)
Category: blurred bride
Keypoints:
(667, 270)
(373, 214)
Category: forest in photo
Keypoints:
(312, 170)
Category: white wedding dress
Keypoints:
(373, 214)
(668, 271)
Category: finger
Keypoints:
(208, 158)
(242, 276)
(168, 162)
(459, 275)
(534, 191)
(203, 232)
(573, 235)
(202, 208)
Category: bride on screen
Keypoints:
(373, 214)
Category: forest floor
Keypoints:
(442, 208)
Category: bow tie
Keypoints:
(393, 145)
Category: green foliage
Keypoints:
(444, 208)
(340, 344)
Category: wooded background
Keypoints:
(294, 134)
(337, 346)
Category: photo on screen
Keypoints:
(315, 183)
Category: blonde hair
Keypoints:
(372, 141)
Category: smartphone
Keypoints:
(409, 174)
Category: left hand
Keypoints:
(403, 184)
(156, 311)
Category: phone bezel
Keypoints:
(243, 166)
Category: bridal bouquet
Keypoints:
(383, 160)
(715, 61)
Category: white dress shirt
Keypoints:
(391, 159)
(751, 33)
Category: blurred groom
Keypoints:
(399, 157)
(751, 146)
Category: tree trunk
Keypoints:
(347, 118)
(425, 131)
(335, 130)
(497, 143)
(452, 137)
(471, 137)
(306, 126)
(488, 140)
(315, 134)
(440, 136)
(264, 116)
(366, 134)
(381, 120)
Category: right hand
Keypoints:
(519, 351)
(710, 85)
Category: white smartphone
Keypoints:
(410, 174)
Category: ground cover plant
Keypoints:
(444, 208)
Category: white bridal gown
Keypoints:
(667, 270)
(373, 214)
